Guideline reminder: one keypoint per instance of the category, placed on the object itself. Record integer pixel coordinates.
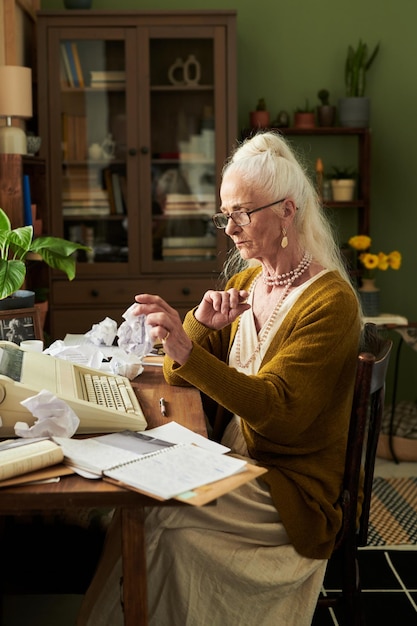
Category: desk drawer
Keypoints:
(94, 292)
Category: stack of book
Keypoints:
(83, 194)
(183, 203)
(108, 78)
(189, 248)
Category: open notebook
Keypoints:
(102, 401)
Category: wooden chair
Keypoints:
(365, 423)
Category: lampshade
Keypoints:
(15, 101)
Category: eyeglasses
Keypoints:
(240, 218)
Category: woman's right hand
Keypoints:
(218, 309)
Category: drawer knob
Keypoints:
(132, 152)
(186, 291)
(94, 293)
(144, 150)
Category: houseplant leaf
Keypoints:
(12, 276)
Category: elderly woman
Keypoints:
(274, 355)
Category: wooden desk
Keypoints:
(184, 406)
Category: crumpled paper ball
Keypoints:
(133, 333)
(54, 417)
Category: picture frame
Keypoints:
(17, 325)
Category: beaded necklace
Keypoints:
(289, 279)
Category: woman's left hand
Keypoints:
(166, 326)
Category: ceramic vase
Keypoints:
(343, 189)
(369, 298)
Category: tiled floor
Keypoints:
(389, 583)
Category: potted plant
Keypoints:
(354, 109)
(18, 245)
(326, 112)
(304, 117)
(260, 117)
(343, 182)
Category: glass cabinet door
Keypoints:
(185, 102)
(93, 174)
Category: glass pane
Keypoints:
(93, 106)
(183, 150)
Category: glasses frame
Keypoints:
(233, 215)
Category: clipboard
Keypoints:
(206, 493)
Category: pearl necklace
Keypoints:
(292, 276)
(289, 277)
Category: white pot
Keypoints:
(343, 189)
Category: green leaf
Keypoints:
(4, 221)
(66, 264)
(56, 245)
(20, 240)
(12, 276)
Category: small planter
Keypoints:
(21, 299)
(343, 189)
(354, 112)
(326, 115)
(304, 120)
(259, 119)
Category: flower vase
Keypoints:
(369, 297)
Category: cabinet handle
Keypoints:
(186, 291)
(132, 152)
(144, 150)
(95, 293)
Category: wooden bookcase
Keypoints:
(166, 127)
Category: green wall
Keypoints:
(287, 51)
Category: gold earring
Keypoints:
(284, 240)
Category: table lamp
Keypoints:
(15, 101)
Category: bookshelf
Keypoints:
(136, 148)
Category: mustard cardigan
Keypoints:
(295, 410)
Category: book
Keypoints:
(77, 63)
(27, 202)
(207, 241)
(71, 62)
(117, 194)
(22, 456)
(112, 84)
(67, 66)
(97, 454)
(160, 468)
(108, 75)
(174, 471)
(49, 474)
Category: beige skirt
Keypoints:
(219, 565)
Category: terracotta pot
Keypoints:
(304, 120)
(259, 119)
(42, 308)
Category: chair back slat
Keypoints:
(364, 428)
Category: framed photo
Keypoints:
(19, 324)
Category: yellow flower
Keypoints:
(370, 261)
(383, 261)
(394, 260)
(360, 242)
